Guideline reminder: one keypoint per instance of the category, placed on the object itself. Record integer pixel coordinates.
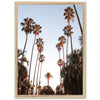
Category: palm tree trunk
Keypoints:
(63, 54)
(59, 54)
(37, 76)
(67, 51)
(69, 22)
(24, 47)
(35, 71)
(48, 81)
(40, 73)
(31, 59)
(78, 19)
(71, 43)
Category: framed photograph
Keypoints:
(50, 50)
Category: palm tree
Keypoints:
(48, 76)
(41, 59)
(62, 40)
(39, 43)
(69, 14)
(27, 28)
(67, 31)
(60, 63)
(36, 31)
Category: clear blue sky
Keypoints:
(51, 18)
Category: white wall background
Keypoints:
(7, 49)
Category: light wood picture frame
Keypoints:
(83, 4)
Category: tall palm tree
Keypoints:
(36, 31)
(41, 59)
(48, 76)
(62, 40)
(69, 14)
(67, 31)
(27, 28)
(39, 43)
(60, 63)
